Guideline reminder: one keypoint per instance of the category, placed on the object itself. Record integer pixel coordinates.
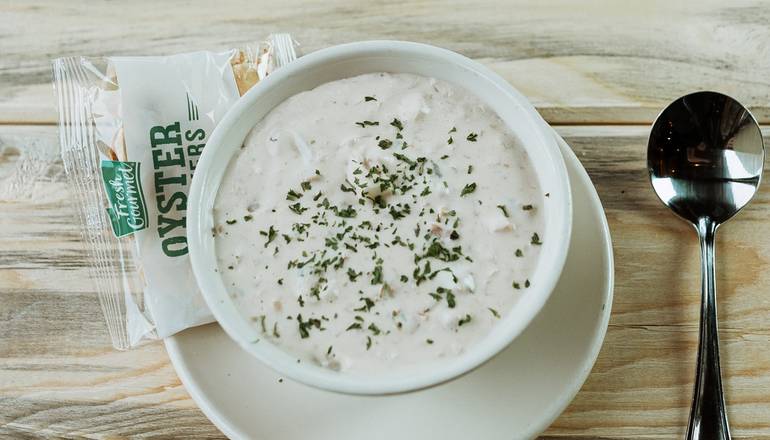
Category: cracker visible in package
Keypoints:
(131, 132)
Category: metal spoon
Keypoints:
(705, 158)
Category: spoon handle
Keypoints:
(708, 419)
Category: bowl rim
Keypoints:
(202, 251)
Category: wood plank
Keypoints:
(60, 377)
(579, 62)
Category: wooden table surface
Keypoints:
(598, 72)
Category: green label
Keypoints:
(127, 211)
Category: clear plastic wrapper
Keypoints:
(131, 131)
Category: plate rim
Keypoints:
(554, 410)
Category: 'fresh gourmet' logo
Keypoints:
(127, 210)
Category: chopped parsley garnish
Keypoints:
(367, 123)
(275, 331)
(297, 208)
(516, 285)
(306, 326)
(429, 341)
(374, 329)
(353, 326)
(368, 342)
(305, 186)
(527, 207)
(368, 304)
(347, 212)
(526, 283)
(494, 312)
(536, 239)
(352, 274)
(469, 188)
(470, 169)
(464, 320)
(519, 253)
(231, 222)
(472, 137)
(270, 234)
(396, 123)
(502, 208)
(454, 129)
(450, 141)
(247, 218)
(377, 273)
(293, 195)
(450, 299)
(369, 98)
(385, 144)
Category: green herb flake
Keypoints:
(231, 222)
(353, 326)
(526, 283)
(297, 208)
(505, 211)
(293, 195)
(528, 207)
(494, 312)
(385, 144)
(536, 239)
(454, 129)
(306, 186)
(472, 137)
(396, 123)
(374, 329)
(470, 169)
(516, 285)
(262, 323)
(348, 212)
(352, 274)
(519, 253)
(368, 304)
(429, 341)
(247, 218)
(306, 326)
(463, 321)
(369, 98)
(377, 274)
(368, 342)
(450, 299)
(469, 188)
(450, 141)
(270, 234)
(363, 124)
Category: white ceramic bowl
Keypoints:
(342, 62)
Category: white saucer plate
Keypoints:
(516, 395)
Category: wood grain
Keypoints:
(60, 377)
(579, 62)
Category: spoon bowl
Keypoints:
(705, 157)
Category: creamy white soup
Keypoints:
(378, 222)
